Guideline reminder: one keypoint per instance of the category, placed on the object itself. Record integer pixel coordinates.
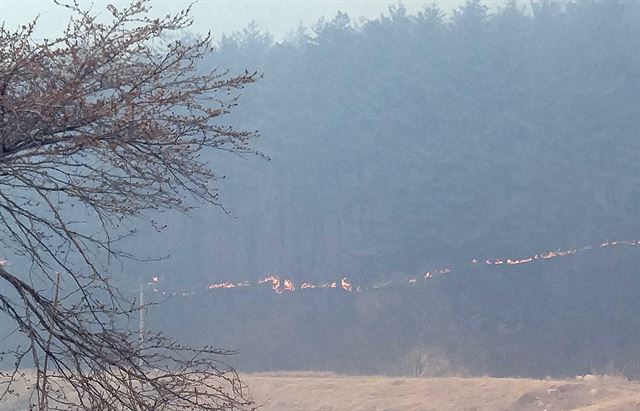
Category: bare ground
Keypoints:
(327, 392)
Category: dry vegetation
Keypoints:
(307, 391)
(327, 392)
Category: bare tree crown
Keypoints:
(112, 116)
(107, 116)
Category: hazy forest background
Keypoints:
(412, 142)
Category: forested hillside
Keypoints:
(414, 141)
(460, 193)
(569, 317)
(420, 141)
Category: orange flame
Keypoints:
(275, 282)
(521, 261)
(225, 284)
(346, 285)
(288, 285)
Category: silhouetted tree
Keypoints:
(110, 118)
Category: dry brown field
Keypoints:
(309, 391)
(328, 392)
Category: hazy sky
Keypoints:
(224, 16)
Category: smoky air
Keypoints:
(432, 207)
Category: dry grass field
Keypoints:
(330, 392)
(327, 392)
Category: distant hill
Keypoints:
(410, 141)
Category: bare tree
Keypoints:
(110, 118)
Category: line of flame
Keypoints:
(287, 285)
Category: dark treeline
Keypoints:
(416, 141)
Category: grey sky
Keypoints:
(224, 16)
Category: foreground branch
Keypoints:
(112, 119)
